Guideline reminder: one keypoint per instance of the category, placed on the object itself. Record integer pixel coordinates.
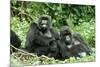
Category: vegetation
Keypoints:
(81, 18)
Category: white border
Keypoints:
(4, 33)
(5, 26)
(86, 2)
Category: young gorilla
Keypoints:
(41, 38)
(83, 47)
(14, 40)
(75, 44)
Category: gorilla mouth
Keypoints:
(44, 28)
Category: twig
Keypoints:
(22, 50)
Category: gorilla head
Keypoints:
(44, 23)
(66, 34)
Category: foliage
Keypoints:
(19, 59)
(80, 18)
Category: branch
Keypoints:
(22, 50)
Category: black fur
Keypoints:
(37, 42)
(75, 44)
(14, 40)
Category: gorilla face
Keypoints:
(44, 25)
(68, 39)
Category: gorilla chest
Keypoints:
(44, 38)
(47, 34)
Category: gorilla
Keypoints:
(14, 40)
(75, 44)
(80, 47)
(41, 38)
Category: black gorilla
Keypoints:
(80, 47)
(41, 38)
(75, 44)
(14, 40)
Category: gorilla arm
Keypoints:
(30, 37)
